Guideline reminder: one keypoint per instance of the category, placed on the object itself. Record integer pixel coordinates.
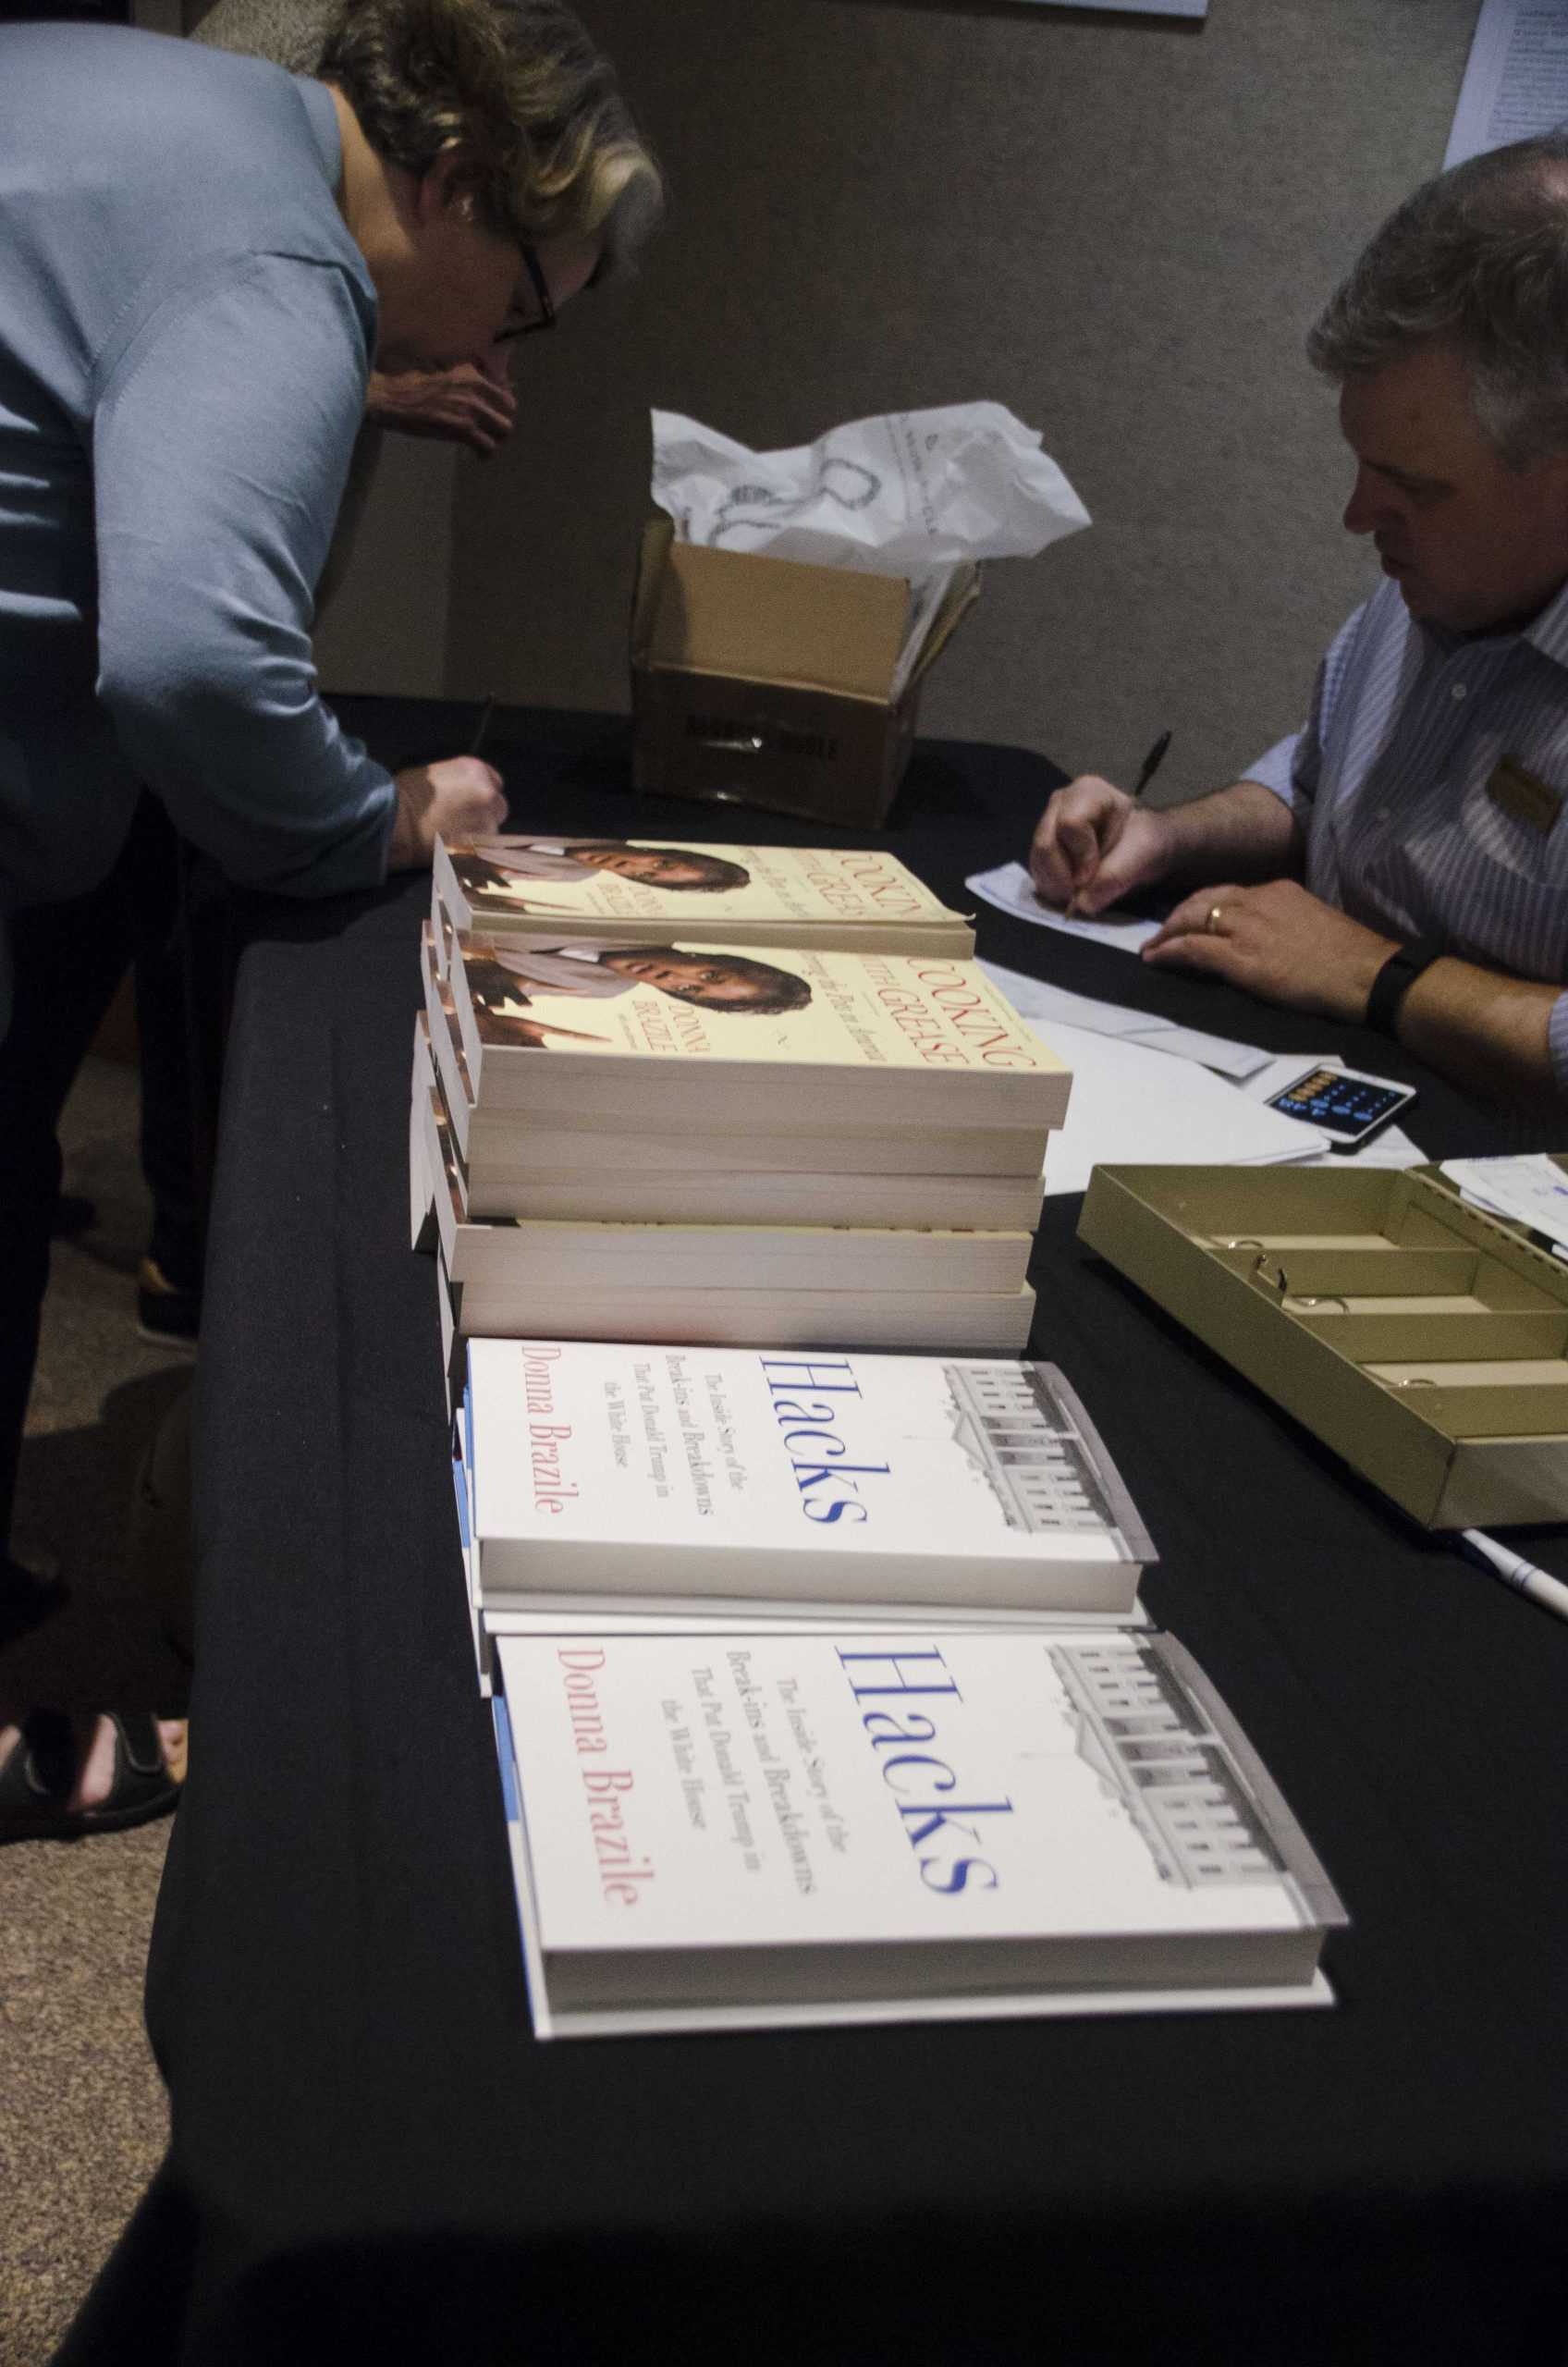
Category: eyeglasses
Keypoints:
(545, 317)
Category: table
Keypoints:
(371, 2157)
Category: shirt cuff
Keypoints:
(1556, 1039)
(1276, 771)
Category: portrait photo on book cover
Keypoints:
(502, 871)
(499, 978)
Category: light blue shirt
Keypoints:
(1389, 781)
(186, 332)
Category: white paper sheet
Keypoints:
(1133, 1106)
(1516, 79)
(1037, 999)
(1530, 1189)
(1010, 889)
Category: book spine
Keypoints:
(421, 1193)
(448, 900)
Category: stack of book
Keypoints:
(821, 1684)
(630, 888)
(807, 1119)
(595, 1477)
(822, 1693)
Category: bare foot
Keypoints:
(95, 1757)
(93, 1742)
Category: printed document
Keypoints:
(1529, 1190)
(1516, 81)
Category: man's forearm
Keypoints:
(1241, 833)
(1486, 1032)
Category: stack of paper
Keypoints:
(1530, 1189)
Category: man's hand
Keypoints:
(1277, 941)
(1095, 845)
(472, 403)
(459, 798)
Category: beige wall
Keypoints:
(386, 626)
(1119, 226)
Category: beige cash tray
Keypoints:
(1424, 1341)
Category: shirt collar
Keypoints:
(1547, 633)
(1550, 632)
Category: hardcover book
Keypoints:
(629, 890)
(743, 1828)
(701, 1033)
(675, 1474)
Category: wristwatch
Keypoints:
(1395, 979)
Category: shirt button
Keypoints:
(1457, 691)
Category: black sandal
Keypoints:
(37, 1779)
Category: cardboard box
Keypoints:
(766, 682)
(1424, 1341)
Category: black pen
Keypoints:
(488, 709)
(1150, 765)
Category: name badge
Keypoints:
(1524, 794)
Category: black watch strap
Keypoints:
(1395, 979)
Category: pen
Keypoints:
(1146, 772)
(1150, 765)
(1515, 1571)
(481, 727)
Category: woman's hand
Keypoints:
(457, 798)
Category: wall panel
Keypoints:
(1119, 226)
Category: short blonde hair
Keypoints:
(549, 148)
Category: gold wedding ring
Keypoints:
(1211, 925)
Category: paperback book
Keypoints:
(626, 891)
(646, 1179)
(631, 1618)
(683, 1475)
(962, 1322)
(702, 1034)
(788, 1285)
(515, 1255)
(444, 1044)
(735, 1829)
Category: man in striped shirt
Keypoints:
(1404, 860)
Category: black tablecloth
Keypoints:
(371, 2156)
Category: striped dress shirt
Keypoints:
(1390, 782)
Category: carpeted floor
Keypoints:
(82, 2116)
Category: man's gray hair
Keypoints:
(1476, 260)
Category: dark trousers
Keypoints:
(68, 958)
